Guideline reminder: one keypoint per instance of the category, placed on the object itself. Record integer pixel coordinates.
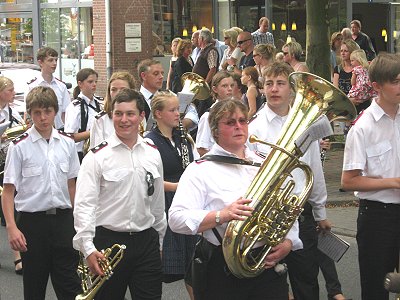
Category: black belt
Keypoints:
(377, 204)
(103, 230)
(49, 212)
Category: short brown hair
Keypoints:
(129, 95)
(41, 97)
(263, 19)
(357, 23)
(276, 69)
(219, 109)
(384, 68)
(44, 52)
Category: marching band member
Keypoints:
(176, 153)
(216, 191)
(81, 112)
(103, 126)
(120, 200)
(41, 166)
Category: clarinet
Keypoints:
(184, 147)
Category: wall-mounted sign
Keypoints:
(133, 29)
(133, 45)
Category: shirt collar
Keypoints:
(35, 135)
(114, 141)
(145, 92)
(270, 114)
(377, 112)
(87, 100)
(41, 79)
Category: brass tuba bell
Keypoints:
(275, 207)
(195, 84)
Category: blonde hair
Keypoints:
(159, 100)
(5, 82)
(122, 75)
(232, 34)
(267, 51)
(359, 55)
(175, 40)
(294, 49)
(180, 48)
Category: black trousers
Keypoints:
(140, 267)
(50, 252)
(328, 269)
(222, 285)
(378, 240)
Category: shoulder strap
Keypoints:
(217, 235)
(228, 160)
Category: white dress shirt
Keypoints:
(5, 116)
(204, 138)
(40, 170)
(112, 192)
(150, 122)
(212, 186)
(102, 129)
(267, 126)
(373, 147)
(73, 117)
(63, 96)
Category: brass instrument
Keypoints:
(192, 84)
(10, 134)
(91, 283)
(275, 208)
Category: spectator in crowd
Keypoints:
(195, 45)
(361, 92)
(262, 35)
(238, 88)
(103, 127)
(245, 44)
(183, 64)
(336, 42)
(252, 98)
(207, 62)
(346, 33)
(362, 39)
(263, 55)
(174, 45)
(279, 56)
(292, 54)
(230, 37)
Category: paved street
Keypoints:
(342, 211)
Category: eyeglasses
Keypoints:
(241, 42)
(285, 53)
(232, 122)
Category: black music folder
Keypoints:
(332, 245)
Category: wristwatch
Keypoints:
(217, 217)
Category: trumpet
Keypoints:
(92, 283)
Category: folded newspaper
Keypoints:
(332, 245)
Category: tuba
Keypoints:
(10, 134)
(275, 207)
(91, 283)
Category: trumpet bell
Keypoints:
(195, 84)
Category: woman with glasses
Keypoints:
(176, 152)
(292, 52)
(230, 38)
(216, 188)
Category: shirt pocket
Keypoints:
(378, 158)
(32, 178)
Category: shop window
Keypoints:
(16, 40)
(178, 18)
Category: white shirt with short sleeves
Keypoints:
(63, 96)
(212, 186)
(102, 128)
(267, 126)
(40, 170)
(5, 116)
(73, 117)
(112, 192)
(373, 147)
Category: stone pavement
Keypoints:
(342, 206)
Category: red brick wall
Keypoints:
(122, 11)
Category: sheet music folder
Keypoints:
(332, 245)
